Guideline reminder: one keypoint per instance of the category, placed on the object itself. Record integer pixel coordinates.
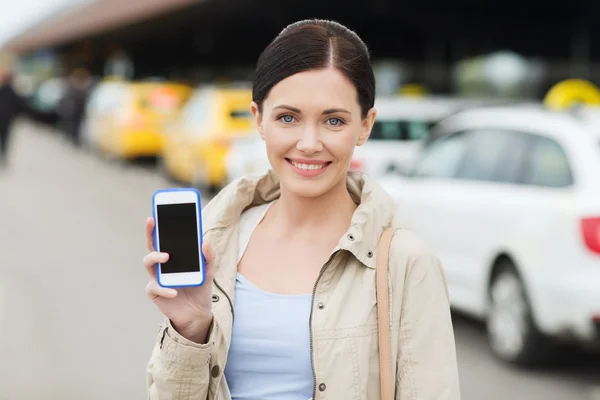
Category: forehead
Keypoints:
(318, 89)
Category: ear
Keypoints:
(367, 125)
(257, 118)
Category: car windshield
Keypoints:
(402, 130)
(198, 110)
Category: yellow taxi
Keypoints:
(196, 147)
(142, 109)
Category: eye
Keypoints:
(335, 121)
(288, 119)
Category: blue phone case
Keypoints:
(199, 211)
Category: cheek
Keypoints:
(342, 144)
(277, 140)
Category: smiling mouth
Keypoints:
(309, 167)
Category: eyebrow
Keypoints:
(325, 112)
(290, 108)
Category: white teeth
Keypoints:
(308, 167)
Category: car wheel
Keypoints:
(512, 333)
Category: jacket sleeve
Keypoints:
(178, 368)
(426, 362)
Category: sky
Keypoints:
(17, 16)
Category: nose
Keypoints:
(310, 143)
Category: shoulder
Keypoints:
(412, 258)
(410, 244)
(218, 210)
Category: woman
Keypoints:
(292, 254)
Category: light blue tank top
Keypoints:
(269, 357)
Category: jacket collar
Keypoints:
(374, 213)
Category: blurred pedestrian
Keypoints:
(295, 255)
(72, 107)
(11, 105)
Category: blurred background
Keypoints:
(488, 138)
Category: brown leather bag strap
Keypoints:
(383, 316)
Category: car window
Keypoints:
(547, 164)
(241, 114)
(198, 111)
(112, 98)
(107, 98)
(493, 155)
(400, 130)
(442, 158)
(511, 168)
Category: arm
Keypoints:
(426, 361)
(181, 368)
(178, 368)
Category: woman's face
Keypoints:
(311, 123)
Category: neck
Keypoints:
(334, 209)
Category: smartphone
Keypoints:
(178, 232)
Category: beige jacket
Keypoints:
(343, 321)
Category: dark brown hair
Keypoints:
(316, 44)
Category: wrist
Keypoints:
(195, 330)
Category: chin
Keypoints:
(307, 189)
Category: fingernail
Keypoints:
(172, 292)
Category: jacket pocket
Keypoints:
(338, 362)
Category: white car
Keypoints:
(401, 127)
(246, 156)
(509, 197)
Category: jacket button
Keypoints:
(215, 371)
(370, 254)
(215, 298)
(321, 306)
(351, 237)
(322, 387)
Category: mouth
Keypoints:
(308, 167)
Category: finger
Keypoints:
(150, 234)
(207, 252)
(209, 256)
(151, 259)
(155, 291)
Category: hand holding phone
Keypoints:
(189, 308)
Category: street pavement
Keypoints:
(75, 322)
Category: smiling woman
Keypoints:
(295, 250)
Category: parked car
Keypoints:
(509, 197)
(127, 119)
(197, 145)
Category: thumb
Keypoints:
(209, 255)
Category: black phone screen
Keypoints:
(178, 236)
